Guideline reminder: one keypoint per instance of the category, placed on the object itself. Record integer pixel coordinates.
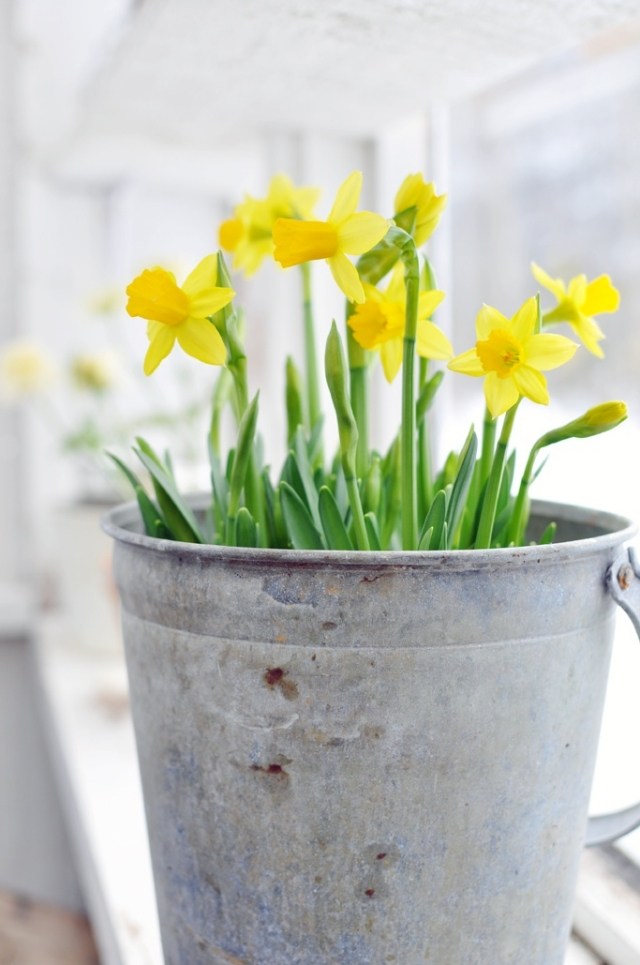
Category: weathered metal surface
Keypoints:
(367, 758)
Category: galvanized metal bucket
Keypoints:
(365, 758)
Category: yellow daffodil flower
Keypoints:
(414, 192)
(578, 302)
(345, 232)
(249, 233)
(379, 322)
(512, 357)
(180, 312)
(25, 369)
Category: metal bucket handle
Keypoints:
(623, 583)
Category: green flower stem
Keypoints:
(488, 513)
(488, 445)
(221, 395)
(311, 361)
(359, 395)
(359, 525)
(425, 477)
(409, 255)
(336, 374)
(519, 515)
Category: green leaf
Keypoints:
(435, 520)
(300, 529)
(391, 497)
(219, 490)
(337, 375)
(378, 262)
(306, 476)
(372, 485)
(291, 475)
(246, 529)
(244, 449)
(427, 395)
(425, 539)
(373, 531)
(175, 512)
(269, 496)
(314, 447)
(294, 394)
(549, 534)
(333, 527)
(151, 515)
(462, 482)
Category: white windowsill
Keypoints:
(92, 743)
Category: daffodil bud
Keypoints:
(293, 398)
(337, 379)
(373, 486)
(599, 419)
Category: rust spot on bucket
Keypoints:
(277, 677)
(625, 576)
(276, 770)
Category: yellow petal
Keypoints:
(547, 352)
(577, 290)
(154, 295)
(391, 358)
(360, 232)
(431, 342)
(428, 302)
(304, 201)
(395, 291)
(347, 198)
(489, 318)
(468, 363)
(229, 233)
(346, 277)
(300, 241)
(589, 333)
(531, 383)
(372, 294)
(209, 301)
(204, 275)
(523, 323)
(600, 297)
(409, 193)
(162, 341)
(500, 394)
(202, 340)
(554, 285)
(368, 324)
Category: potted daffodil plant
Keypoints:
(366, 690)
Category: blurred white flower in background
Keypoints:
(26, 369)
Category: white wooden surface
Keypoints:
(34, 848)
(84, 695)
(91, 738)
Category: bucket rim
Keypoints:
(118, 523)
